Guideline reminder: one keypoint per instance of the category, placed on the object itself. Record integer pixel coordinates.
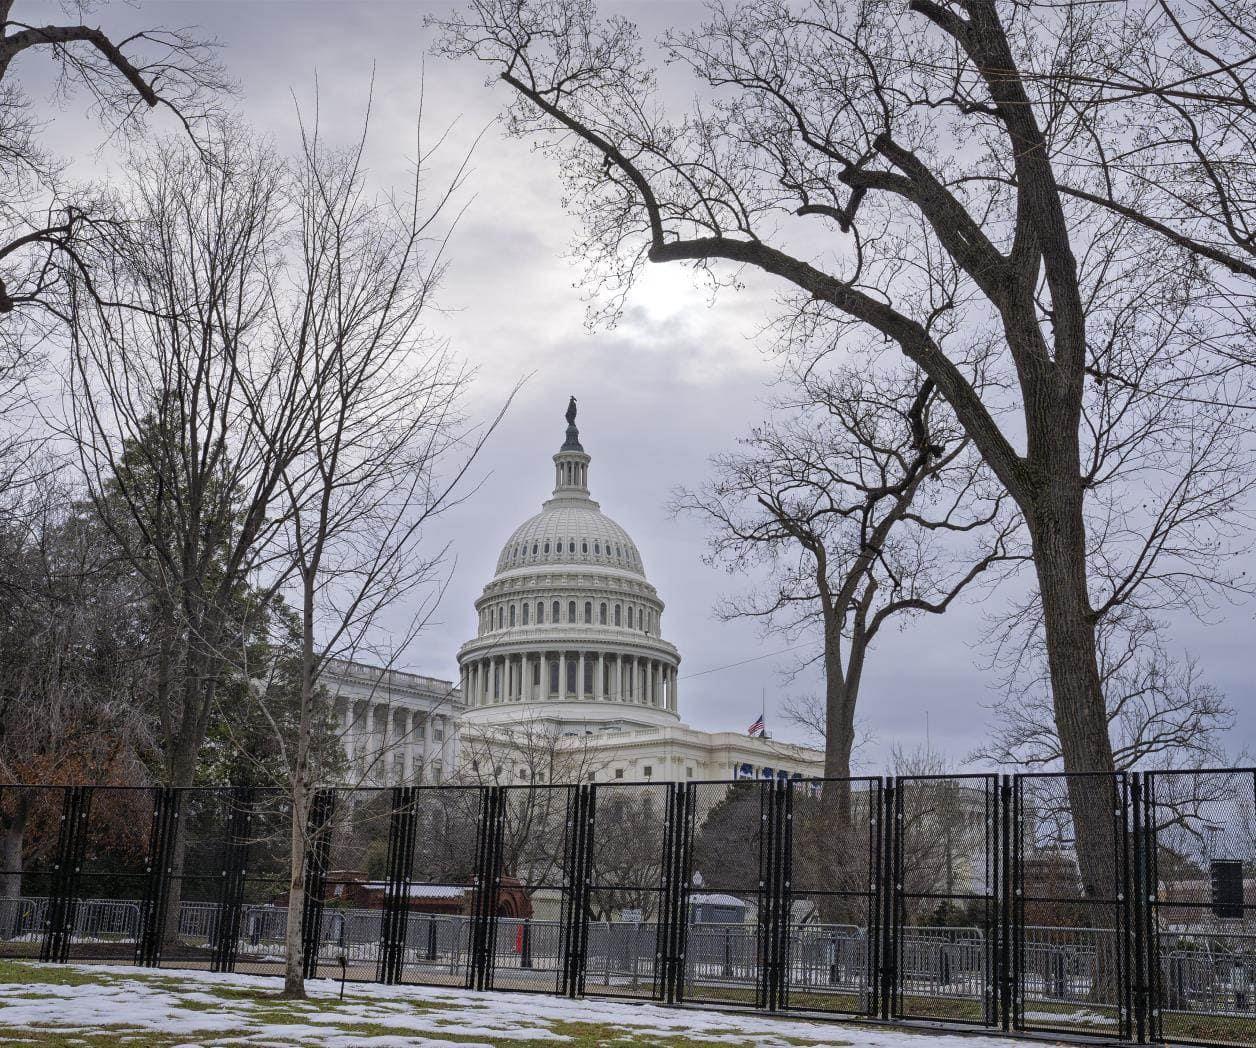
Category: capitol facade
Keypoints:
(568, 655)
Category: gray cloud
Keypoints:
(677, 381)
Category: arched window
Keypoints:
(601, 614)
(571, 546)
(500, 614)
(534, 549)
(588, 612)
(526, 610)
(618, 615)
(630, 616)
(512, 614)
(571, 611)
(584, 546)
(554, 609)
(547, 545)
(597, 548)
(540, 612)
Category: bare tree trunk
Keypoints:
(294, 960)
(11, 863)
(294, 963)
(1059, 557)
(847, 845)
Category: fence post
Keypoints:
(787, 893)
(316, 858)
(488, 885)
(1139, 907)
(394, 918)
(71, 842)
(231, 886)
(1004, 906)
(585, 875)
(891, 832)
(166, 802)
(669, 934)
(683, 884)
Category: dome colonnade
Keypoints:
(570, 617)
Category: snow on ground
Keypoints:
(204, 1009)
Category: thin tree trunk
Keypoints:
(294, 964)
(843, 841)
(294, 960)
(11, 842)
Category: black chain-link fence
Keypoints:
(1118, 906)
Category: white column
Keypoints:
(407, 745)
(599, 676)
(361, 733)
(446, 750)
(544, 657)
(381, 715)
(346, 731)
(562, 674)
(427, 746)
(580, 675)
(452, 747)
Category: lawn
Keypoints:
(89, 1006)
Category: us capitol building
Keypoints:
(568, 675)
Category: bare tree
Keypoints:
(382, 448)
(827, 134)
(123, 77)
(164, 401)
(866, 504)
(1161, 711)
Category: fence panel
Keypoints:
(349, 888)
(833, 869)
(441, 885)
(1072, 934)
(625, 898)
(31, 819)
(113, 873)
(192, 894)
(725, 930)
(530, 946)
(946, 898)
(1200, 833)
(260, 945)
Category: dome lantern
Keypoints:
(571, 464)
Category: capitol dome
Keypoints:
(569, 627)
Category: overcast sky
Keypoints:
(679, 379)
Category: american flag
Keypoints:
(757, 727)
